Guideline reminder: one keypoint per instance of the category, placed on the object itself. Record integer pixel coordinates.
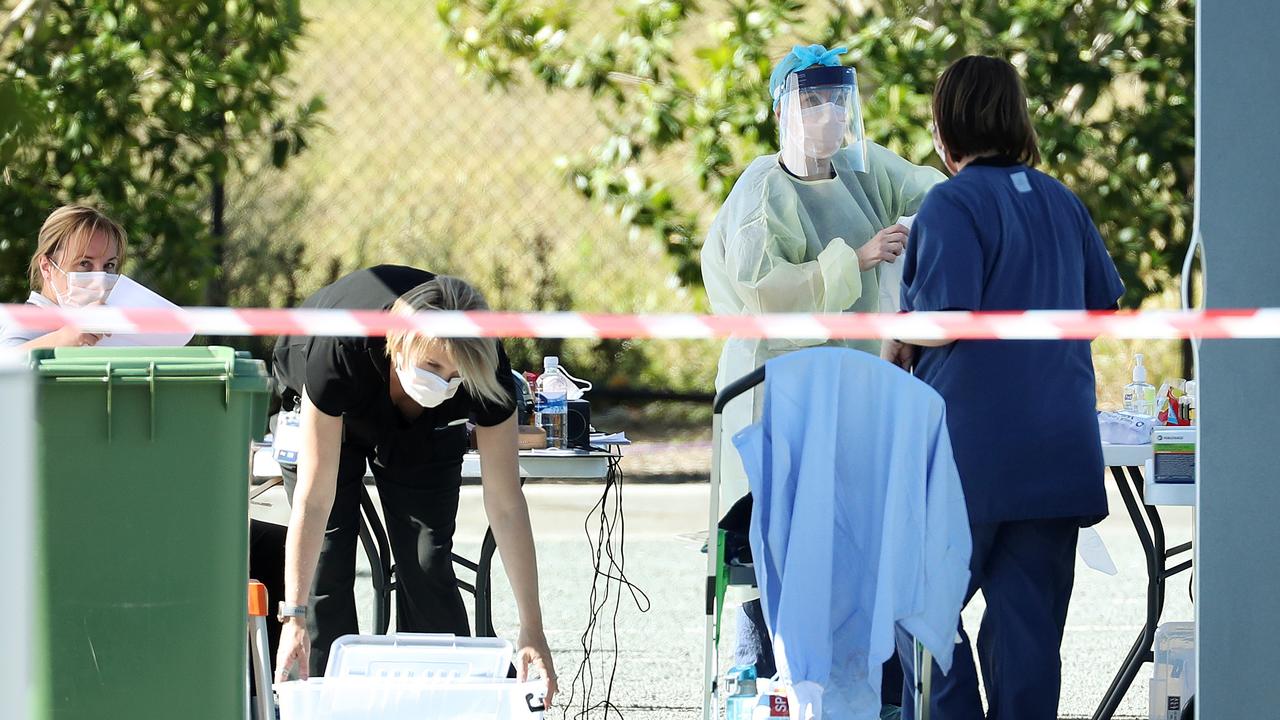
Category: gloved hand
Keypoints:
(805, 699)
(886, 246)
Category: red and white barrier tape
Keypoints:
(1029, 325)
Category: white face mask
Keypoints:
(424, 387)
(824, 128)
(86, 288)
(942, 152)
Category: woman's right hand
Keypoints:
(886, 246)
(70, 336)
(294, 652)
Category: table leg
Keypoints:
(1157, 534)
(378, 549)
(465, 563)
(484, 586)
(1140, 514)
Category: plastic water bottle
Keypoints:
(553, 403)
(740, 683)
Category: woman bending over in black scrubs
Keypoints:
(399, 404)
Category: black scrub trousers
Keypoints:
(416, 464)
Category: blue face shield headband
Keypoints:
(800, 58)
(819, 115)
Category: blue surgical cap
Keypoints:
(801, 57)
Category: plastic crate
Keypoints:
(360, 698)
(419, 677)
(422, 656)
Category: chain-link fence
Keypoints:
(422, 165)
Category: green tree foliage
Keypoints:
(142, 106)
(1110, 86)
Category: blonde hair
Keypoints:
(69, 230)
(476, 358)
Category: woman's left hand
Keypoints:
(534, 654)
(898, 353)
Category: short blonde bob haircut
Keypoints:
(68, 231)
(476, 358)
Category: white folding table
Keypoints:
(1127, 465)
(595, 464)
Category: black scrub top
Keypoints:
(350, 376)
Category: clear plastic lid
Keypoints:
(423, 656)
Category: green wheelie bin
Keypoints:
(142, 531)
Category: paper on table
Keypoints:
(130, 294)
(890, 275)
(614, 439)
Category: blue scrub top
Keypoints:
(1022, 414)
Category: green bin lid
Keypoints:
(152, 364)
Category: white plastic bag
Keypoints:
(1124, 428)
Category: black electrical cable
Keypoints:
(608, 544)
(586, 672)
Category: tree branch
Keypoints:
(36, 22)
(15, 16)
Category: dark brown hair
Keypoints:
(980, 108)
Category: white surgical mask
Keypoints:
(423, 386)
(577, 386)
(942, 152)
(85, 288)
(824, 129)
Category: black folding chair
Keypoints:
(373, 537)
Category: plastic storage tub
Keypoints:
(419, 656)
(413, 677)
(360, 698)
(142, 556)
(1173, 681)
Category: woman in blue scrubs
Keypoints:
(1000, 235)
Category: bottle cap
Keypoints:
(1139, 370)
(550, 362)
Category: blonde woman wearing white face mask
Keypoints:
(399, 404)
(77, 262)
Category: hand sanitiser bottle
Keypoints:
(1140, 395)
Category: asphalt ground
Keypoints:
(654, 655)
